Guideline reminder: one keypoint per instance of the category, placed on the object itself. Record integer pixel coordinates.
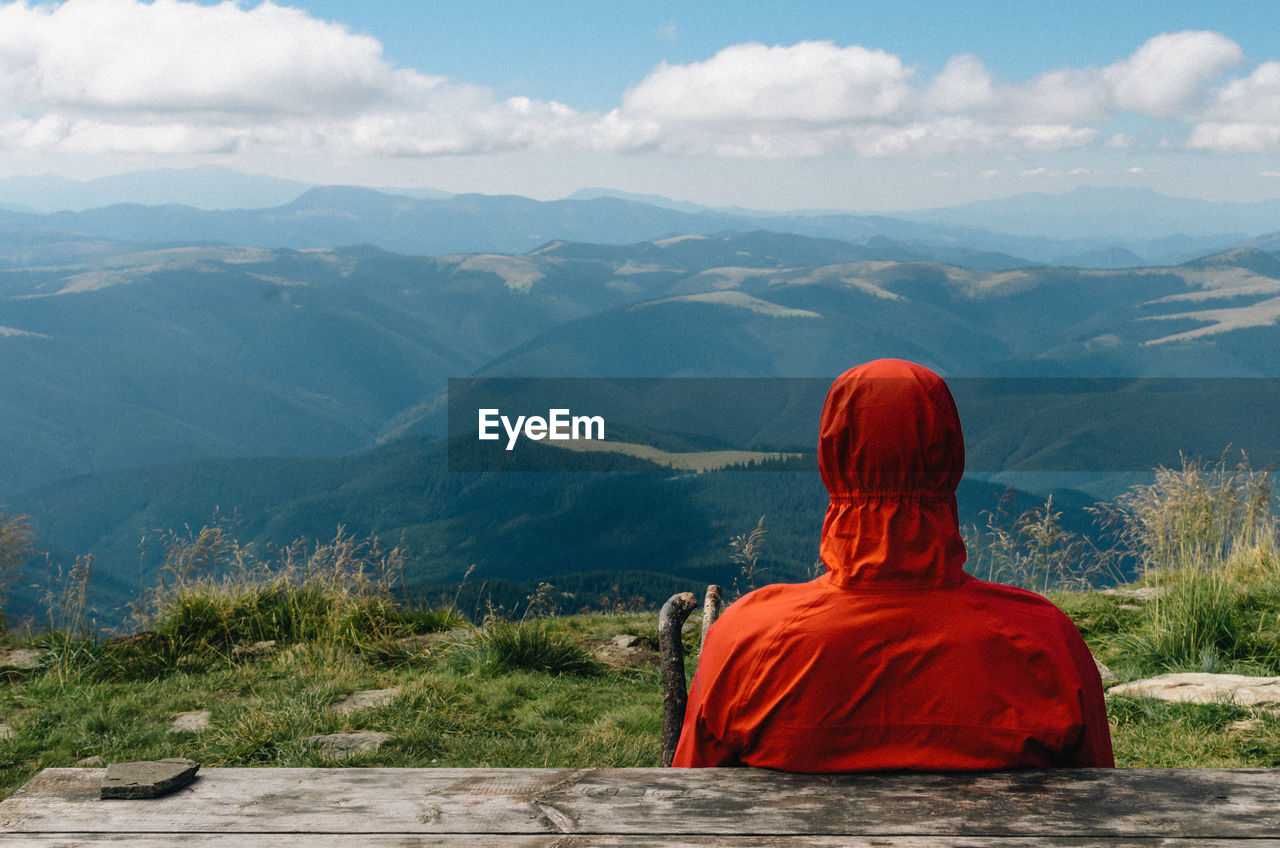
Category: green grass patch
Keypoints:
(1147, 733)
(451, 710)
(535, 645)
(530, 692)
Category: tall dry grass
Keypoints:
(1206, 536)
(15, 549)
(215, 593)
(1031, 549)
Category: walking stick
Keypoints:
(675, 692)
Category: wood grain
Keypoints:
(333, 840)
(616, 806)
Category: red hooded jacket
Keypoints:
(895, 658)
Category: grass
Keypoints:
(530, 693)
(1156, 734)
(1207, 540)
(15, 549)
(509, 646)
(461, 703)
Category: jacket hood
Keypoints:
(891, 454)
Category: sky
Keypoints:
(861, 106)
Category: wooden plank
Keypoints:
(1131, 803)
(382, 840)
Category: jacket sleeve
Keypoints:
(699, 747)
(1094, 747)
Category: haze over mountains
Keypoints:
(290, 362)
(1089, 227)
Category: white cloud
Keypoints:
(1169, 73)
(810, 82)
(815, 98)
(1235, 137)
(1051, 172)
(169, 56)
(1065, 96)
(1054, 136)
(121, 76)
(1256, 97)
(1245, 115)
(964, 85)
(172, 76)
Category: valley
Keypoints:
(150, 385)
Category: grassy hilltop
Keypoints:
(537, 690)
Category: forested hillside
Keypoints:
(298, 389)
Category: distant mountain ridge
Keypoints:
(1091, 228)
(1113, 213)
(205, 187)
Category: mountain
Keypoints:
(637, 197)
(1036, 321)
(1092, 227)
(325, 217)
(306, 388)
(204, 351)
(584, 529)
(1269, 242)
(1111, 214)
(326, 349)
(1088, 227)
(188, 352)
(331, 216)
(204, 187)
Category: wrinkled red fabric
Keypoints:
(895, 658)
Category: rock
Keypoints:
(624, 652)
(346, 744)
(1108, 676)
(91, 762)
(143, 639)
(1245, 725)
(1142, 593)
(255, 651)
(21, 658)
(193, 721)
(149, 779)
(6, 732)
(363, 700)
(1204, 688)
(423, 641)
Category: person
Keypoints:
(895, 658)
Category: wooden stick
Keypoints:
(711, 608)
(675, 693)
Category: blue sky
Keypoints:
(855, 105)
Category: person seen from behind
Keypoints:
(895, 658)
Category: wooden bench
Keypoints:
(520, 808)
